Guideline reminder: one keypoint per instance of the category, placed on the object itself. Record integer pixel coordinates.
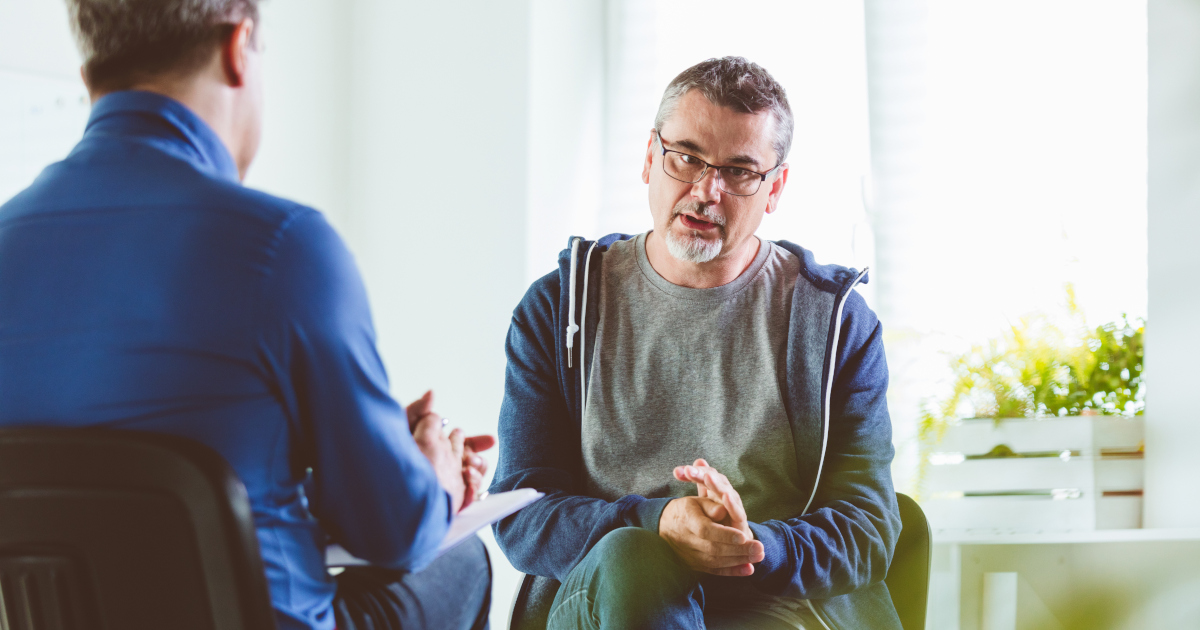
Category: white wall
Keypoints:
(437, 185)
(305, 151)
(35, 39)
(438, 193)
(566, 126)
(1172, 334)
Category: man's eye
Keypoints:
(735, 173)
(687, 159)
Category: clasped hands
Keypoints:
(455, 457)
(710, 532)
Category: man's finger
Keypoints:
(732, 500)
(428, 428)
(751, 551)
(743, 570)
(471, 460)
(419, 408)
(716, 481)
(717, 532)
(682, 474)
(480, 443)
(474, 481)
(707, 563)
(457, 437)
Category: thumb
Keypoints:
(714, 510)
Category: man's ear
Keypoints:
(649, 161)
(777, 188)
(234, 50)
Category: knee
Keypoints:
(474, 554)
(633, 550)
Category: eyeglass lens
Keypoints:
(731, 179)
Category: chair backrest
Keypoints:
(908, 575)
(129, 530)
(907, 579)
(531, 604)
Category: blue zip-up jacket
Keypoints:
(834, 554)
(143, 287)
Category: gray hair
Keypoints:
(738, 84)
(124, 42)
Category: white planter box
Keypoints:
(1057, 484)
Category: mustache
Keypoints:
(700, 210)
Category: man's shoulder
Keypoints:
(546, 290)
(81, 184)
(542, 295)
(836, 280)
(580, 247)
(274, 211)
(830, 278)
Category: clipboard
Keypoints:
(466, 523)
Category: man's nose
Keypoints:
(708, 189)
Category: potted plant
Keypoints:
(1040, 431)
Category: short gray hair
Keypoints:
(124, 42)
(738, 84)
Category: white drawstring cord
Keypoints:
(837, 333)
(572, 327)
(587, 263)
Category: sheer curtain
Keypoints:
(1009, 159)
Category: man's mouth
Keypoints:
(695, 223)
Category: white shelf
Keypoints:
(992, 537)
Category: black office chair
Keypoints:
(907, 579)
(908, 575)
(125, 530)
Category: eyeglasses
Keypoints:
(689, 169)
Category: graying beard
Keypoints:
(693, 249)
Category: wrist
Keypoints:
(665, 517)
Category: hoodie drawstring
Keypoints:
(587, 263)
(837, 333)
(572, 327)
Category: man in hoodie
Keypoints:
(705, 410)
(142, 287)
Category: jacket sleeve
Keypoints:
(540, 447)
(371, 488)
(846, 539)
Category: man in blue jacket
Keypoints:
(143, 287)
(705, 410)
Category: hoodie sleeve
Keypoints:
(846, 539)
(540, 447)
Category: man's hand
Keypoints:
(713, 485)
(454, 459)
(475, 467)
(692, 526)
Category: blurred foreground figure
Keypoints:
(754, 374)
(143, 287)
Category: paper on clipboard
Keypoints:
(471, 519)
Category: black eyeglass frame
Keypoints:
(762, 176)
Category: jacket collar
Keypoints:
(165, 123)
